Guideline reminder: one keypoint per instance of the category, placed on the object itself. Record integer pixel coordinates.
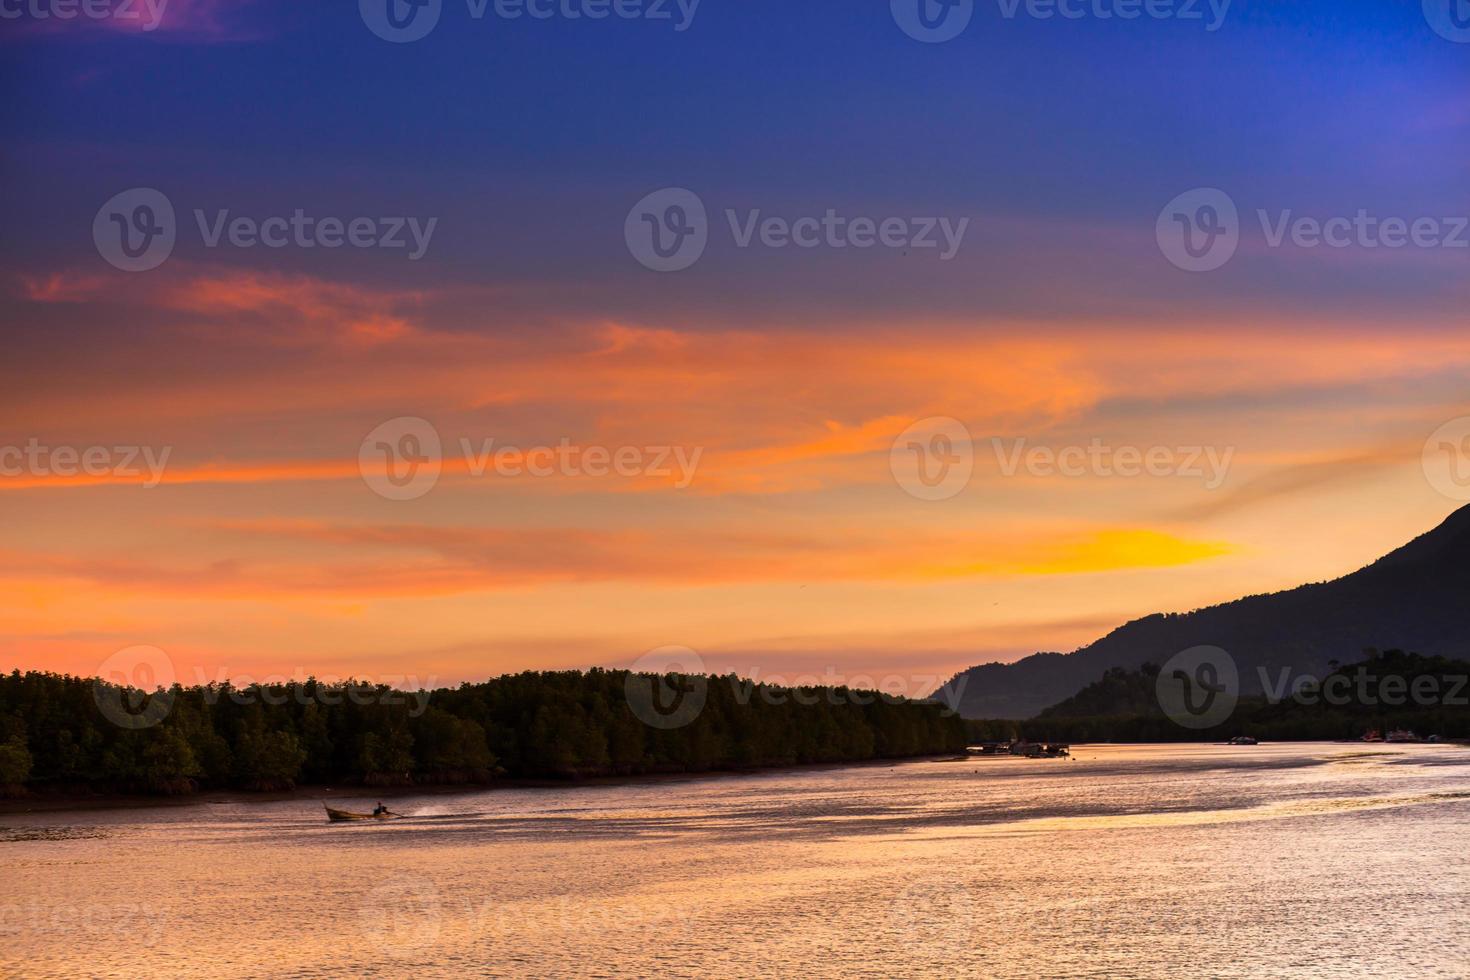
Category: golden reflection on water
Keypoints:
(1291, 861)
(1269, 811)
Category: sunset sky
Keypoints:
(1318, 373)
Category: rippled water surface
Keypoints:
(1283, 861)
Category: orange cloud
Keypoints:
(298, 309)
(772, 411)
(420, 560)
(264, 387)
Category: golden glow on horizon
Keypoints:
(263, 548)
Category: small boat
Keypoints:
(1040, 750)
(340, 816)
(1242, 740)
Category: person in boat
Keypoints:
(380, 809)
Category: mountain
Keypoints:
(1417, 598)
(1123, 707)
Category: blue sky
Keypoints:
(531, 139)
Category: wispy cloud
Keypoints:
(378, 561)
(274, 308)
(1298, 478)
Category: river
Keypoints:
(1301, 860)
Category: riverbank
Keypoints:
(65, 802)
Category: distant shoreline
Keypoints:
(84, 802)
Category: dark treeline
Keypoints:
(1386, 691)
(71, 734)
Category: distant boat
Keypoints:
(339, 816)
(1401, 735)
(1040, 750)
(1242, 740)
(1372, 735)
